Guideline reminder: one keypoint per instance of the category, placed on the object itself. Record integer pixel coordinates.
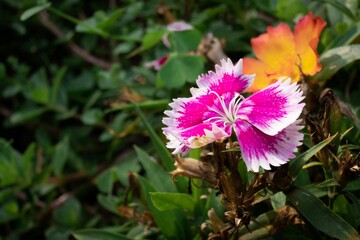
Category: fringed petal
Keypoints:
(261, 150)
(273, 108)
(227, 78)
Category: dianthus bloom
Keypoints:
(265, 123)
(281, 53)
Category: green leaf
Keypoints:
(171, 223)
(163, 181)
(164, 154)
(109, 20)
(92, 116)
(61, 155)
(56, 83)
(92, 100)
(278, 200)
(150, 104)
(151, 38)
(96, 234)
(297, 163)
(287, 9)
(341, 7)
(109, 203)
(328, 183)
(168, 201)
(9, 211)
(180, 69)
(105, 180)
(320, 216)
(184, 41)
(27, 162)
(32, 11)
(69, 214)
(346, 38)
(37, 87)
(336, 58)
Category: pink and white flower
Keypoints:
(265, 123)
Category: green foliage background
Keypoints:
(81, 151)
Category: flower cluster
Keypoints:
(282, 53)
(265, 123)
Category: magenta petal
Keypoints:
(273, 108)
(187, 126)
(259, 149)
(227, 78)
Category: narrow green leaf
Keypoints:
(105, 180)
(328, 183)
(341, 7)
(168, 201)
(320, 216)
(96, 234)
(163, 181)
(335, 59)
(297, 163)
(164, 154)
(92, 100)
(151, 38)
(172, 223)
(109, 203)
(150, 104)
(56, 84)
(26, 115)
(27, 163)
(61, 154)
(32, 11)
(346, 38)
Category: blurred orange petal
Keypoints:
(276, 47)
(307, 33)
(263, 76)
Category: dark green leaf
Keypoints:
(32, 11)
(56, 83)
(184, 41)
(92, 116)
(25, 115)
(151, 38)
(180, 69)
(164, 154)
(109, 203)
(69, 214)
(336, 58)
(168, 201)
(61, 155)
(97, 234)
(27, 162)
(163, 181)
(105, 181)
(346, 38)
(297, 163)
(172, 222)
(341, 7)
(320, 216)
(328, 183)
(9, 211)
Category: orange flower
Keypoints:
(282, 53)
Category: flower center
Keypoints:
(227, 111)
